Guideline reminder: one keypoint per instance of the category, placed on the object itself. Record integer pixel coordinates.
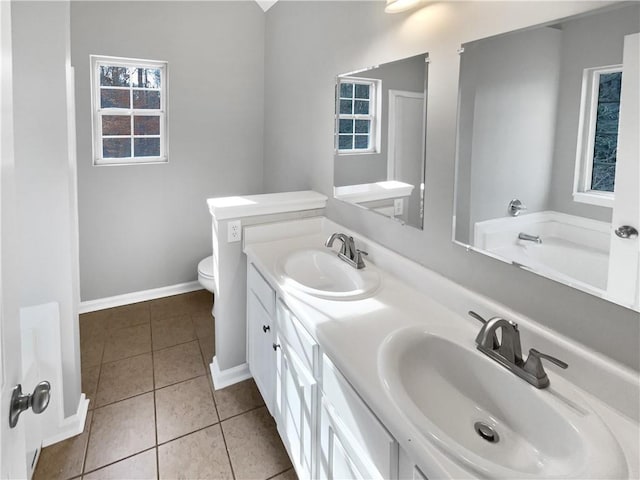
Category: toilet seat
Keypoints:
(205, 273)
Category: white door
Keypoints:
(624, 261)
(406, 145)
(12, 440)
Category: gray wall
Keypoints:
(45, 175)
(313, 41)
(147, 226)
(587, 42)
(508, 98)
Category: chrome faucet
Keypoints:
(508, 351)
(348, 251)
(530, 238)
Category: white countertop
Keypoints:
(351, 333)
(222, 208)
(367, 192)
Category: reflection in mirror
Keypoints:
(547, 161)
(380, 138)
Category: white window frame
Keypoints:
(582, 191)
(375, 108)
(97, 112)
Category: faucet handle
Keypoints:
(534, 365)
(494, 340)
(358, 258)
(477, 316)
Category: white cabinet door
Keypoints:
(297, 418)
(338, 457)
(260, 350)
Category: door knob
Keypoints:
(38, 401)
(626, 231)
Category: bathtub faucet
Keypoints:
(530, 238)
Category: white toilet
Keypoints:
(205, 273)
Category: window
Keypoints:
(357, 107)
(597, 145)
(129, 100)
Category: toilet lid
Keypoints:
(205, 267)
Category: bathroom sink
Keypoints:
(322, 274)
(488, 420)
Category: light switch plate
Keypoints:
(234, 231)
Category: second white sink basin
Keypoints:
(449, 391)
(322, 274)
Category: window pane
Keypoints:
(147, 125)
(362, 126)
(362, 91)
(345, 142)
(146, 77)
(116, 147)
(362, 141)
(116, 125)
(605, 148)
(607, 117)
(146, 99)
(147, 147)
(603, 177)
(346, 126)
(112, 98)
(361, 107)
(610, 84)
(114, 76)
(346, 106)
(346, 90)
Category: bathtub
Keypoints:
(574, 250)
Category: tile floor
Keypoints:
(153, 412)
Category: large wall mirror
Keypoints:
(547, 173)
(380, 138)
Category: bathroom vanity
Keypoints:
(374, 373)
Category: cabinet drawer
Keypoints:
(297, 337)
(371, 438)
(262, 290)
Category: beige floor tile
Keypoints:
(90, 377)
(91, 350)
(139, 467)
(63, 460)
(200, 455)
(288, 475)
(166, 332)
(170, 307)
(125, 378)
(121, 430)
(200, 300)
(93, 324)
(127, 342)
(184, 408)
(238, 398)
(208, 349)
(255, 448)
(175, 364)
(128, 316)
(203, 323)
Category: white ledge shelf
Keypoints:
(223, 208)
(368, 192)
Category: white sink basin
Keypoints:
(444, 389)
(322, 274)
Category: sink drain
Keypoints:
(487, 432)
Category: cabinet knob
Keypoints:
(266, 328)
(275, 346)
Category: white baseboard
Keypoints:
(70, 426)
(230, 376)
(134, 297)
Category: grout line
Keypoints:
(155, 406)
(189, 433)
(280, 473)
(242, 413)
(119, 460)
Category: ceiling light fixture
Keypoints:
(396, 6)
